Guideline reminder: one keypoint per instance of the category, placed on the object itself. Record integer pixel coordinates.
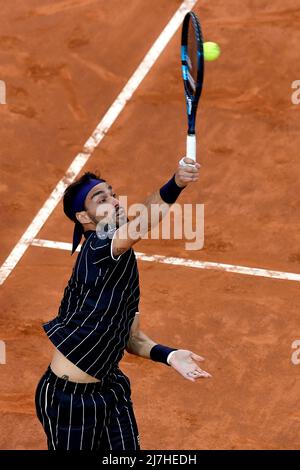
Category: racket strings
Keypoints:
(192, 58)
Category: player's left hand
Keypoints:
(185, 363)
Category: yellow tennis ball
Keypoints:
(211, 50)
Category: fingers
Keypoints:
(197, 358)
(190, 161)
(205, 374)
(190, 168)
(189, 171)
(188, 174)
(197, 374)
(190, 379)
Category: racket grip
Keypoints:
(191, 146)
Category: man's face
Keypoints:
(102, 206)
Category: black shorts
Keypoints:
(95, 416)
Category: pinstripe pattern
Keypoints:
(91, 329)
(47, 415)
(94, 416)
(83, 423)
(97, 308)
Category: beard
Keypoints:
(106, 227)
(121, 218)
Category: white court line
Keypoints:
(94, 140)
(189, 263)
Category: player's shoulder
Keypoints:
(100, 248)
(97, 242)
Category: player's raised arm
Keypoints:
(130, 233)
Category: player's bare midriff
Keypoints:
(62, 367)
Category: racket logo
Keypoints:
(189, 62)
(189, 105)
(192, 82)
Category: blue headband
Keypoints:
(78, 206)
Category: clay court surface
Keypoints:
(64, 63)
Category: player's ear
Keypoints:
(83, 217)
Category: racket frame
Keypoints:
(192, 100)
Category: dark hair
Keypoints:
(72, 189)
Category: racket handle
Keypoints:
(191, 146)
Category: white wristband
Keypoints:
(169, 356)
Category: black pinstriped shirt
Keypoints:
(98, 307)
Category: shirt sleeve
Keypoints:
(101, 249)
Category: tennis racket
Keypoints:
(192, 60)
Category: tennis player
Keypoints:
(83, 400)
